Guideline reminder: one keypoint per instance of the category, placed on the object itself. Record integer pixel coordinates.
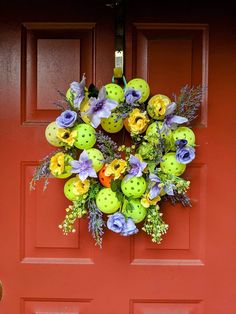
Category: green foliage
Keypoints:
(154, 225)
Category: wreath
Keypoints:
(121, 187)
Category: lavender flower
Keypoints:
(100, 107)
(181, 143)
(171, 121)
(116, 222)
(129, 228)
(108, 147)
(188, 101)
(169, 188)
(83, 167)
(78, 91)
(185, 154)
(66, 119)
(96, 222)
(132, 95)
(155, 189)
(137, 167)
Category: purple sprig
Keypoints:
(107, 146)
(188, 101)
(96, 223)
(178, 198)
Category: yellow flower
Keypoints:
(137, 121)
(57, 164)
(81, 187)
(116, 168)
(146, 202)
(157, 106)
(67, 136)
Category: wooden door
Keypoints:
(193, 271)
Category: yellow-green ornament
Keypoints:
(135, 210)
(107, 201)
(69, 187)
(86, 136)
(142, 86)
(114, 92)
(51, 135)
(171, 165)
(186, 133)
(153, 135)
(97, 158)
(111, 124)
(134, 187)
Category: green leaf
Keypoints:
(120, 196)
(129, 207)
(115, 185)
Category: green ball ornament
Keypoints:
(153, 135)
(114, 92)
(135, 210)
(68, 189)
(171, 165)
(86, 136)
(142, 86)
(110, 124)
(134, 187)
(186, 133)
(107, 201)
(51, 135)
(97, 158)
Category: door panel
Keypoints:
(170, 56)
(43, 49)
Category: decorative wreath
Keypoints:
(118, 187)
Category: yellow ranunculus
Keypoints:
(157, 106)
(81, 187)
(146, 202)
(67, 136)
(57, 164)
(137, 121)
(116, 168)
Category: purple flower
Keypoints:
(129, 228)
(83, 167)
(78, 91)
(171, 121)
(137, 167)
(169, 188)
(185, 154)
(155, 189)
(100, 107)
(181, 143)
(66, 119)
(132, 95)
(116, 222)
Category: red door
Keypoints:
(193, 271)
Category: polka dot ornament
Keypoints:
(171, 165)
(51, 135)
(111, 124)
(107, 201)
(134, 187)
(86, 137)
(114, 92)
(97, 158)
(142, 86)
(137, 211)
